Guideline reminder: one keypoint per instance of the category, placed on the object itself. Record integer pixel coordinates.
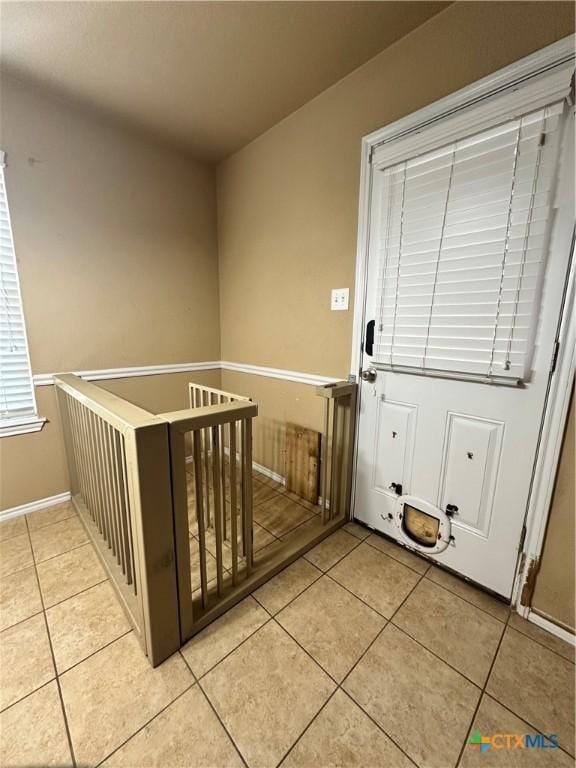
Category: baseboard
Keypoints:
(553, 628)
(33, 506)
(255, 466)
(268, 473)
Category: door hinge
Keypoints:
(371, 154)
(522, 538)
(554, 360)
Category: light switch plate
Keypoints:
(339, 300)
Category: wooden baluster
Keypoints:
(217, 507)
(247, 491)
(126, 516)
(334, 472)
(233, 502)
(197, 452)
(206, 439)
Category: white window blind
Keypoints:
(461, 238)
(17, 400)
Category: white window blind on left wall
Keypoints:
(17, 401)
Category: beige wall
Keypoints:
(554, 595)
(278, 402)
(287, 214)
(116, 242)
(115, 237)
(288, 202)
(33, 466)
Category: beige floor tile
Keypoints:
(306, 530)
(399, 553)
(280, 514)
(332, 549)
(49, 515)
(26, 660)
(33, 732)
(19, 597)
(469, 592)
(287, 585)
(85, 623)
(16, 526)
(461, 634)
(66, 575)
(187, 733)
(419, 701)
(375, 578)
(342, 735)
(15, 554)
(268, 481)
(332, 625)
(536, 684)
(261, 538)
(115, 692)
(491, 719)
(357, 530)
(215, 642)
(304, 502)
(211, 569)
(542, 637)
(264, 490)
(57, 538)
(266, 693)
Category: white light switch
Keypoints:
(339, 298)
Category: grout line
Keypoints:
(404, 549)
(538, 730)
(56, 522)
(141, 728)
(335, 563)
(65, 552)
(482, 692)
(27, 695)
(340, 684)
(77, 663)
(357, 597)
(21, 621)
(65, 717)
(448, 664)
(306, 588)
(452, 592)
(547, 647)
(297, 739)
(213, 708)
(80, 592)
(203, 675)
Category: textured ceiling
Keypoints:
(206, 76)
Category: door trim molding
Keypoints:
(548, 456)
(556, 407)
(538, 63)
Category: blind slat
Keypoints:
(461, 234)
(16, 388)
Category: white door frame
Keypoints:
(560, 386)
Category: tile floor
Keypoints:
(277, 517)
(358, 654)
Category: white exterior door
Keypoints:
(459, 367)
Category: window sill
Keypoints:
(21, 425)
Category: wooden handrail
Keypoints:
(120, 413)
(190, 419)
